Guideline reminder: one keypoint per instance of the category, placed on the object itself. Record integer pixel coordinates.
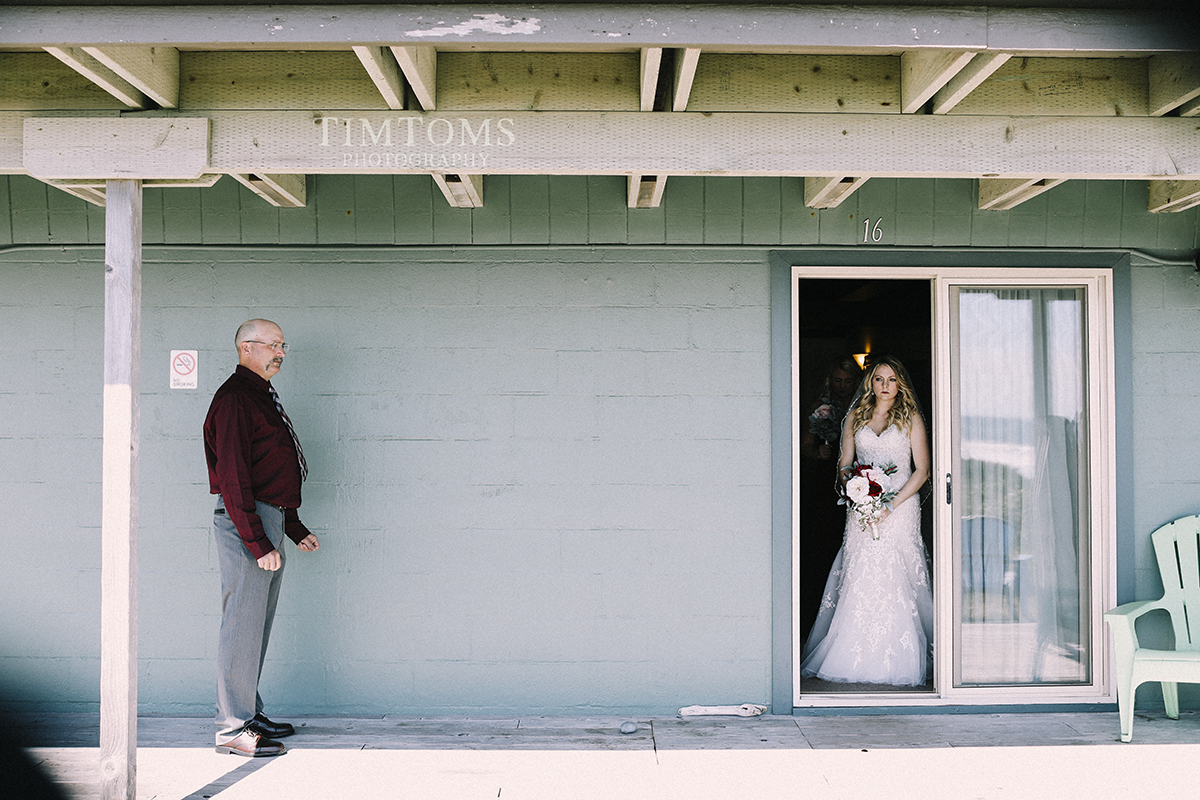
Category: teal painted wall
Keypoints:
(540, 430)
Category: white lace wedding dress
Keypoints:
(875, 623)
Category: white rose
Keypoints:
(858, 489)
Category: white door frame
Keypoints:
(1097, 283)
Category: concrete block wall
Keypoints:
(1166, 343)
(541, 482)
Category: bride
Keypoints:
(875, 623)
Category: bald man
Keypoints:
(255, 467)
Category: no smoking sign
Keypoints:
(184, 372)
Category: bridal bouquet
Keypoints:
(826, 421)
(867, 497)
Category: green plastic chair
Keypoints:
(1177, 546)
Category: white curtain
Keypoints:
(1023, 615)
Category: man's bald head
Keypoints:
(260, 347)
(252, 329)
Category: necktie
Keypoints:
(292, 431)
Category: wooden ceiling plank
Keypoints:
(1174, 80)
(88, 66)
(980, 69)
(419, 65)
(924, 72)
(329, 80)
(1190, 109)
(651, 62)
(1066, 87)
(40, 82)
(154, 71)
(1168, 196)
(845, 84)
(381, 65)
(540, 82)
(685, 75)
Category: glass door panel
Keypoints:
(1022, 611)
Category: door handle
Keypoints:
(949, 492)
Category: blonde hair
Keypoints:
(903, 410)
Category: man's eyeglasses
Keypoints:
(273, 345)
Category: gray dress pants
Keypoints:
(249, 595)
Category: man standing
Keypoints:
(255, 467)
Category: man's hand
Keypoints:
(271, 561)
(309, 544)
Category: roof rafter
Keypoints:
(381, 65)
(154, 71)
(924, 72)
(100, 74)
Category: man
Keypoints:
(255, 467)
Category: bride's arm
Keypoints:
(920, 456)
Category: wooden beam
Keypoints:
(285, 191)
(153, 71)
(1001, 194)
(92, 69)
(381, 65)
(1190, 109)
(625, 143)
(651, 61)
(796, 27)
(119, 505)
(646, 191)
(1174, 80)
(461, 191)
(685, 75)
(1173, 195)
(924, 72)
(980, 69)
(830, 192)
(122, 147)
(419, 65)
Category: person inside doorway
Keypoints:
(824, 519)
(875, 619)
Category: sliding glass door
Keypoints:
(1020, 486)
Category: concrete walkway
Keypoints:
(551, 758)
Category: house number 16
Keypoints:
(872, 234)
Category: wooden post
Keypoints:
(119, 515)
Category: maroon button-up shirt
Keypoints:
(251, 457)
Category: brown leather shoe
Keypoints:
(252, 744)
